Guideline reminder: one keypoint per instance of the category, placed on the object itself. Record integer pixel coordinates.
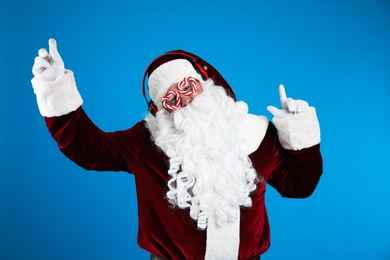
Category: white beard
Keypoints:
(208, 168)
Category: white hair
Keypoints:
(207, 166)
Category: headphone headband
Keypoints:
(201, 66)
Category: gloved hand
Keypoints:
(297, 123)
(48, 66)
(55, 88)
(289, 105)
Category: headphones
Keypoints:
(201, 66)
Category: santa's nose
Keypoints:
(185, 100)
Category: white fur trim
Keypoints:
(167, 74)
(252, 129)
(222, 242)
(298, 131)
(58, 97)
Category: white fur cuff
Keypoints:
(58, 97)
(298, 131)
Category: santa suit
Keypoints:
(169, 232)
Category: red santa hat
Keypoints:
(167, 74)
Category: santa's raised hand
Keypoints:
(54, 86)
(289, 105)
(48, 66)
(296, 122)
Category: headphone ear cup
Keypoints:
(202, 70)
(152, 108)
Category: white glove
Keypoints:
(289, 105)
(296, 122)
(55, 88)
(48, 66)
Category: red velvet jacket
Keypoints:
(171, 233)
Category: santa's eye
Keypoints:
(188, 88)
(172, 100)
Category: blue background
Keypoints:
(334, 54)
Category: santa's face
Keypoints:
(181, 94)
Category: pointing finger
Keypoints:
(283, 96)
(53, 50)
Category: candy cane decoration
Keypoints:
(180, 90)
(168, 97)
(184, 82)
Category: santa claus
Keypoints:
(201, 162)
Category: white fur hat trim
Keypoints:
(167, 74)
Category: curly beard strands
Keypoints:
(208, 168)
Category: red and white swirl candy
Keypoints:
(180, 91)
(168, 97)
(184, 83)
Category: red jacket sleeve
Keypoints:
(93, 149)
(294, 174)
